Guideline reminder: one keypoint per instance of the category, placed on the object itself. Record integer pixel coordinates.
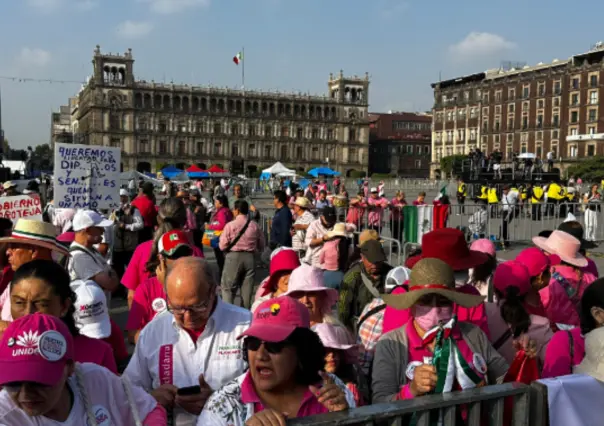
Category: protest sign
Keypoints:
(86, 176)
(21, 206)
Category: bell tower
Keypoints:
(350, 90)
(113, 69)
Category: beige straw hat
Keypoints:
(431, 276)
(35, 233)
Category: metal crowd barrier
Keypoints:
(485, 401)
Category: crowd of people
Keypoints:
(334, 326)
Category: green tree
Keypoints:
(589, 169)
(448, 164)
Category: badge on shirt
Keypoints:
(411, 369)
(102, 416)
(159, 305)
(428, 360)
(479, 363)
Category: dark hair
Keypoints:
(223, 200)
(241, 206)
(6, 225)
(343, 253)
(513, 312)
(593, 297)
(310, 352)
(173, 214)
(148, 189)
(484, 271)
(55, 276)
(280, 196)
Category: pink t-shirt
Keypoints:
(95, 351)
(420, 353)
(539, 331)
(394, 318)
(149, 300)
(309, 407)
(329, 255)
(557, 355)
(136, 273)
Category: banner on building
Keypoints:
(86, 176)
(21, 206)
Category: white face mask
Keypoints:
(461, 278)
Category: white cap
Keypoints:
(570, 218)
(373, 189)
(85, 219)
(124, 192)
(91, 312)
(397, 277)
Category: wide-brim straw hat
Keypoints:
(302, 202)
(431, 276)
(35, 233)
(339, 230)
(564, 245)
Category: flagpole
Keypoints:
(243, 68)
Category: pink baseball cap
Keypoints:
(275, 319)
(536, 261)
(512, 274)
(484, 246)
(35, 348)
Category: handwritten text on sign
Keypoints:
(86, 176)
(21, 206)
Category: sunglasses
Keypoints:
(253, 344)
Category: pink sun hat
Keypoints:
(484, 246)
(35, 348)
(336, 337)
(275, 319)
(536, 261)
(308, 279)
(512, 274)
(564, 245)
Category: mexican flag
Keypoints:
(417, 221)
(238, 58)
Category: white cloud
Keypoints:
(478, 44)
(44, 5)
(167, 7)
(134, 29)
(36, 58)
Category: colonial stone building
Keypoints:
(157, 124)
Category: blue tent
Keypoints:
(265, 176)
(325, 171)
(171, 171)
(198, 175)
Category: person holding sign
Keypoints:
(43, 385)
(86, 263)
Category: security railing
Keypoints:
(487, 402)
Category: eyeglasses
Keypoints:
(253, 344)
(198, 309)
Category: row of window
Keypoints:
(410, 125)
(556, 86)
(177, 103)
(461, 134)
(218, 149)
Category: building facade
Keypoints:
(60, 128)
(535, 109)
(158, 124)
(400, 144)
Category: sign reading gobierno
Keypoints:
(86, 176)
(21, 206)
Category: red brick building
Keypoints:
(400, 144)
(536, 109)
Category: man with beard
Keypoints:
(363, 282)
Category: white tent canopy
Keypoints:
(277, 168)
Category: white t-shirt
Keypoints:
(107, 396)
(166, 353)
(83, 265)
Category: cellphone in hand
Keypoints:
(191, 390)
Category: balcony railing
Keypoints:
(585, 137)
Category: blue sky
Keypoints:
(290, 45)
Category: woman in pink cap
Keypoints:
(341, 357)
(566, 349)
(286, 361)
(281, 267)
(568, 280)
(44, 286)
(509, 318)
(306, 285)
(481, 275)
(44, 385)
